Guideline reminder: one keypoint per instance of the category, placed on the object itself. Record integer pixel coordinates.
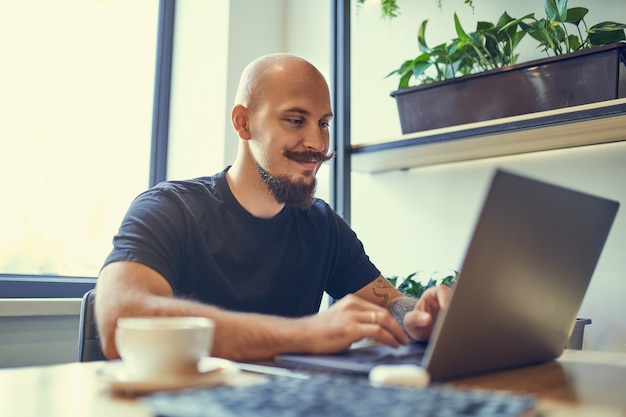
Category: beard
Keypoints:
(285, 190)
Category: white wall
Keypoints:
(422, 218)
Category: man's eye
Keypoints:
(324, 125)
(295, 121)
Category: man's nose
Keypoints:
(316, 139)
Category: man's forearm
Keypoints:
(238, 336)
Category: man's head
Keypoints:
(282, 112)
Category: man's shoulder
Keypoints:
(321, 209)
(189, 186)
(322, 206)
(189, 194)
(193, 184)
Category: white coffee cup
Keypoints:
(161, 347)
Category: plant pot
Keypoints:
(583, 77)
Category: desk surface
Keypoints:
(580, 383)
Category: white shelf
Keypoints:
(564, 128)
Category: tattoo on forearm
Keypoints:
(382, 283)
(383, 296)
(400, 307)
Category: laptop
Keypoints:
(525, 272)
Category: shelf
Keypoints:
(556, 129)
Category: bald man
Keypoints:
(251, 247)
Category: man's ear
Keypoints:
(239, 118)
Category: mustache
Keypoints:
(308, 156)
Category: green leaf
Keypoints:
(574, 42)
(556, 10)
(404, 68)
(540, 32)
(420, 67)
(411, 287)
(516, 22)
(606, 27)
(575, 15)
(460, 32)
(560, 32)
(506, 25)
(516, 38)
(450, 280)
(482, 27)
(404, 80)
(421, 36)
(551, 9)
(605, 38)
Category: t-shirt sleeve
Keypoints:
(353, 268)
(151, 233)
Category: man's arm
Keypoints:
(130, 289)
(417, 316)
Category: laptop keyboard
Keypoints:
(415, 355)
(358, 360)
(335, 395)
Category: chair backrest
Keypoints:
(89, 348)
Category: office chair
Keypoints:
(89, 348)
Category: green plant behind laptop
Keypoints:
(415, 287)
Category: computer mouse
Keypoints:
(407, 375)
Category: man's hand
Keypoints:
(419, 322)
(350, 320)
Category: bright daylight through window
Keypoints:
(76, 93)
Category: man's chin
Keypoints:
(305, 179)
(301, 178)
(291, 191)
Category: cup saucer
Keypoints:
(211, 372)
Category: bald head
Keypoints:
(268, 72)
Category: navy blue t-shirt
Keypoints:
(210, 249)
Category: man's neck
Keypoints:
(251, 192)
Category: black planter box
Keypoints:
(582, 77)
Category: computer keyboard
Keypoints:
(330, 395)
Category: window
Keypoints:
(76, 99)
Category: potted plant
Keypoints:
(414, 285)
(476, 76)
